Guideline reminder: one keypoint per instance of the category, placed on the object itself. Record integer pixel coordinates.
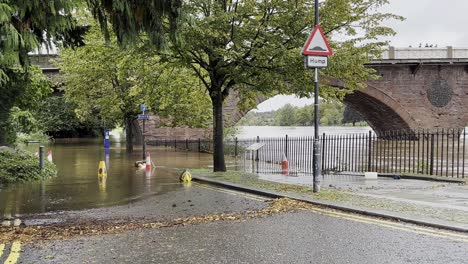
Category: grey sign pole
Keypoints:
(316, 152)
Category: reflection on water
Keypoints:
(77, 185)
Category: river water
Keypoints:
(77, 187)
(279, 131)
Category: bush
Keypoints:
(21, 166)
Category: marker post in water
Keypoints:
(106, 139)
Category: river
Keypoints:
(247, 132)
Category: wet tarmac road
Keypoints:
(303, 237)
(310, 236)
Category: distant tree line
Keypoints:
(331, 113)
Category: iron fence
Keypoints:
(438, 153)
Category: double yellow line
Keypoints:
(15, 251)
(393, 225)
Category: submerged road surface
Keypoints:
(309, 235)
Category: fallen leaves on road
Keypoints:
(100, 227)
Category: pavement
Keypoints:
(427, 202)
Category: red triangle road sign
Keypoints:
(317, 44)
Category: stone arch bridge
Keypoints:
(419, 88)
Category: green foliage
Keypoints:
(24, 27)
(21, 166)
(132, 17)
(37, 135)
(330, 112)
(107, 84)
(56, 117)
(22, 121)
(286, 116)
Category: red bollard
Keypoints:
(49, 156)
(284, 165)
(148, 161)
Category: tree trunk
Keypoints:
(218, 134)
(6, 134)
(129, 133)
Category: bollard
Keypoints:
(284, 165)
(49, 156)
(41, 157)
(148, 161)
(102, 172)
(186, 176)
(106, 139)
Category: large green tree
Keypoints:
(24, 27)
(109, 82)
(253, 45)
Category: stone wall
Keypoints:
(153, 131)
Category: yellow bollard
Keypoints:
(186, 176)
(102, 172)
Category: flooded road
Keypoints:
(77, 187)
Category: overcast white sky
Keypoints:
(444, 23)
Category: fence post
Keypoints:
(175, 144)
(199, 145)
(257, 158)
(186, 144)
(323, 152)
(286, 146)
(431, 170)
(235, 147)
(41, 157)
(369, 152)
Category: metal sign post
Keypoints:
(316, 152)
(316, 49)
(144, 118)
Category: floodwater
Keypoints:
(77, 186)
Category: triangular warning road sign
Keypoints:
(317, 44)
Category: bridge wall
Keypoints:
(414, 96)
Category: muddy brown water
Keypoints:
(77, 186)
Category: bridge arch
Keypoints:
(382, 112)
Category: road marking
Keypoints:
(231, 192)
(2, 247)
(393, 225)
(14, 253)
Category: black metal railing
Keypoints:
(439, 153)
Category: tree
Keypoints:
(253, 46)
(108, 82)
(286, 116)
(305, 115)
(24, 26)
(331, 113)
